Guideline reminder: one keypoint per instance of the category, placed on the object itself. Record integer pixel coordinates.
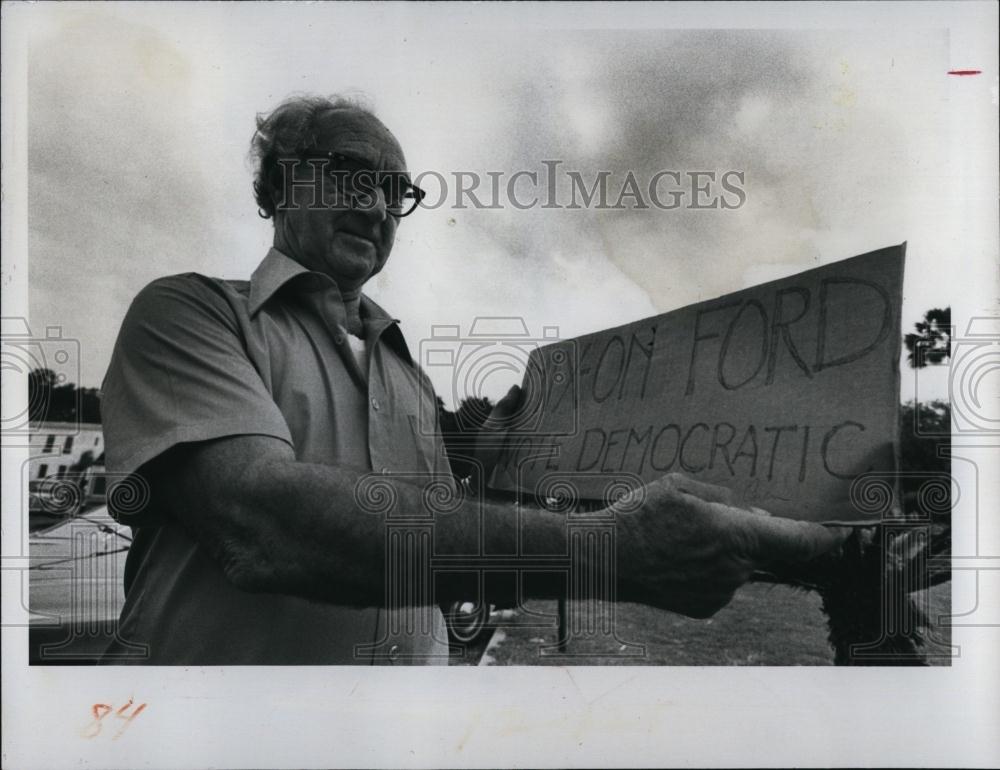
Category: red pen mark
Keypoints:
(965, 72)
(101, 710)
(128, 719)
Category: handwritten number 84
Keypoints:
(101, 710)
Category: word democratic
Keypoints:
(785, 392)
(692, 449)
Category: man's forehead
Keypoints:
(359, 133)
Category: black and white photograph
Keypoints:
(384, 383)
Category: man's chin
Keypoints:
(353, 265)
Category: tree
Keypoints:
(932, 342)
(925, 428)
(90, 405)
(459, 430)
(50, 401)
(924, 443)
(41, 383)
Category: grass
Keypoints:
(764, 625)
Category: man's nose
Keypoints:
(372, 204)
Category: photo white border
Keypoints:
(520, 716)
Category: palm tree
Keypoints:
(932, 342)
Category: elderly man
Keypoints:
(255, 408)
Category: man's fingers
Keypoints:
(710, 493)
(787, 540)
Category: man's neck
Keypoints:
(352, 312)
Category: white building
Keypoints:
(58, 446)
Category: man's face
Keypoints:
(348, 243)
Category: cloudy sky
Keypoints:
(850, 140)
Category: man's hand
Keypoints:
(687, 549)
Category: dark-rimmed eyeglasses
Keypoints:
(358, 181)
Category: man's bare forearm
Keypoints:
(321, 532)
(281, 526)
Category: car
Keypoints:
(467, 621)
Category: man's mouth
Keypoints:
(357, 238)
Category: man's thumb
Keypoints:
(787, 540)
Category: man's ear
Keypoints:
(274, 189)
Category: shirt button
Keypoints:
(375, 404)
(394, 652)
(339, 339)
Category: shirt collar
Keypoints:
(278, 269)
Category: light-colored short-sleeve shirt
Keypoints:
(201, 358)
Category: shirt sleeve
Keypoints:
(179, 373)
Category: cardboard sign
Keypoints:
(784, 392)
